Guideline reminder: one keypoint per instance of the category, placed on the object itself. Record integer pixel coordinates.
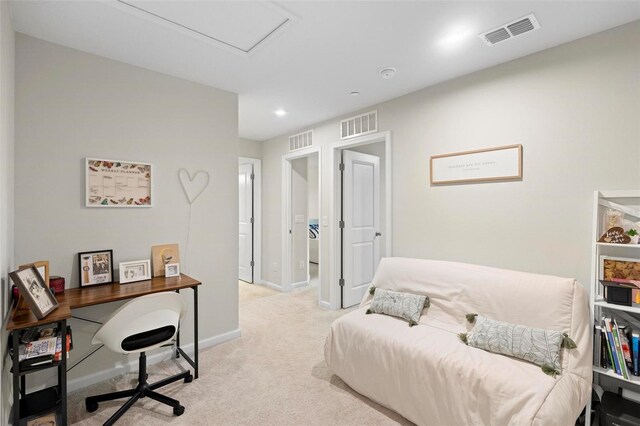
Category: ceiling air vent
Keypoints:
(301, 140)
(510, 30)
(359, 125)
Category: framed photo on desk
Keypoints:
(34, 290)
(95, 267)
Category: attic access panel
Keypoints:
(238, 25)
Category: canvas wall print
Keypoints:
(163, 255)
(96, 267)
(111, 183)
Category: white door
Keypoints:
(361, 215)
(245, 238)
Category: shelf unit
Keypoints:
(629, 203)
(49, 400)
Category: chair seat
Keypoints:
(148, 338)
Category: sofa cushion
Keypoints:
(402, 305)
(538, 346)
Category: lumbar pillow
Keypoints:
(403, 305)
(538, 346)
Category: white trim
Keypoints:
(286, 218)
(132, 363)
(300, 284)
(325, 305)
(257, 215)
(334, 206)
(272, 285)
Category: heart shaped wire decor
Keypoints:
(194, 186)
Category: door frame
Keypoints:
(334, 206)
(257, 216)
(286, 215)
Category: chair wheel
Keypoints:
(188, 379)
(91, 406)
(178, 411)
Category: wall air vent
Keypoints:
(510, 30)
(301, 140)
(359, 125)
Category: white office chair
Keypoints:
(144, 323)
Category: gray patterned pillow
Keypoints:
(538, 346)
(402, 305)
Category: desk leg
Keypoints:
(62, 373)
(195, 327)
(16, 380)
(178, 337)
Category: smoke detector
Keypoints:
(387, 73)
(512, 29)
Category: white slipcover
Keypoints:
(427, 375)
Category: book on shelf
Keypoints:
(616, 347)
(45, 349)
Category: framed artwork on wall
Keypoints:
(113, 183)
(95, 267)
(34, 291)
(483, 165)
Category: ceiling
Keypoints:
(307, 57)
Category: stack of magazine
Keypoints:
(41, 347)
(616, 347)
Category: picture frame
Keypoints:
(95, 267)
(162, 255)
(501, 163)
(172, 270)
(42, 266)
(34, 291)
(137, 270)
(117, 183)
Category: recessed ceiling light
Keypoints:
(455, 37)
(355, 93)
(280, 112)
(387, 73)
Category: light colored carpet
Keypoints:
(274, 374)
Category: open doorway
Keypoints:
(361, 214)
(249, 220)
(302, 239)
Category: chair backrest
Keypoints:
(144, 323)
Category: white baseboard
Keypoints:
(161, 355)
(300, 284)
(325, 305)
(272, 285)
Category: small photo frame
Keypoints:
(172, 270)
(34, 290)
(96, 267)
(137, 270)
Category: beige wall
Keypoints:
(575, 110)
(249, 148)
(7, 66)
(71, 105)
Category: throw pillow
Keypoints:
(538, 346)
(401, 305)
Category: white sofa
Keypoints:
(426, 374)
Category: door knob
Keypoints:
(378, 234)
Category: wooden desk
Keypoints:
(76, 298)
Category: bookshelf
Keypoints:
(629, 203)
